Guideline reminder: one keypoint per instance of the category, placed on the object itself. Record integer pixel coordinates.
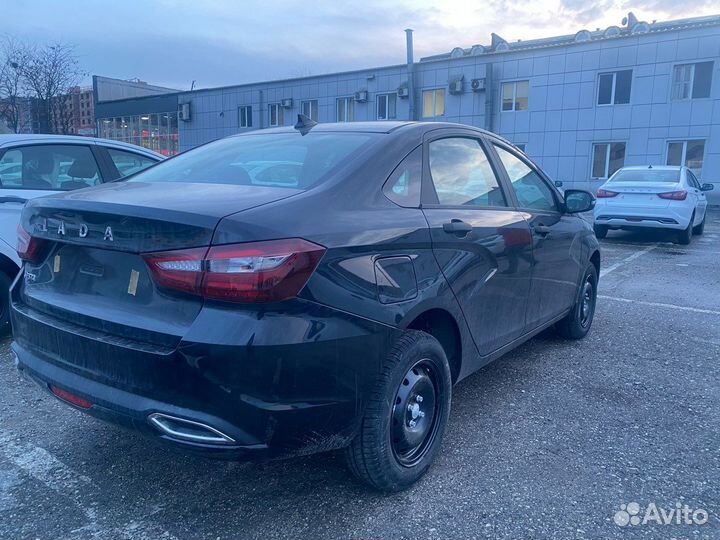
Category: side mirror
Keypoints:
(578, 200)
(707, 187)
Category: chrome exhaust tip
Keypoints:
(188, 430)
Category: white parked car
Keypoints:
(658, 197)
(35, 165)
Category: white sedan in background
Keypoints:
(657, 197)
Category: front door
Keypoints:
(556, 255)
(482, 245)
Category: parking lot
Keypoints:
(547, 442)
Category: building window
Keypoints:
(276, 115)
(310, 109)
(614, 88)
(692, 80)
(434, 103)
(607, 158)
(687, 153)
(245, 116)
(386, 106)
(345, 109)
(515, 95)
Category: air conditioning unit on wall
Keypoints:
(403, 92)
(456, 86)
(477, 85)
(184, 112)
(361, 96)
(287, 103)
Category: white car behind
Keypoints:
(657, 197)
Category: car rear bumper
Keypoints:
(298, 385)
(645, 217)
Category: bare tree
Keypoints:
(14, 110)
(49, 75)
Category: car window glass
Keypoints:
(462, 174)
(128, 163)
(403, 185)
(49, 167)
(693, 181)
(530, 188)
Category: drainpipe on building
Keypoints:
(489, 97)
(411, 73)
(261, 120)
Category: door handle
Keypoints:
(542, 230)
(19, 200)
(457, 226)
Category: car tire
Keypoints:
(402, 429)
(576, 324)
(600, 231)
(5, 282)
(699, 229)
(685, 236)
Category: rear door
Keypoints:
(556, 255)
(34, 170)
(482, 245)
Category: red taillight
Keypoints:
(605, 194)
(70, 398)
(253, 272)
(674, 195)
(28, 248)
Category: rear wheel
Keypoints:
(406, 415)
(685, 236)
(576, 324)
(600, 231)
(699, 229)
(5, 282)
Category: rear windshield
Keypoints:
(647, 175)
(287, 160)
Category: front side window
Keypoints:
(614, 88)
(462, 175)
(607, 158)
(688, 153)
(345, 109)
(245, 116)
(128, 163)
(530, 188)
(692, 81)
(386, 106)
(403, 185)
(309, 108)
(286, 160)
(434, 103)
(276, 115)
(49, 167)
(515, 95)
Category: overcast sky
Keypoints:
(220, 42)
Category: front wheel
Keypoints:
(576, 324)
(406, 415)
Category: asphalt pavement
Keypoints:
(547, 442)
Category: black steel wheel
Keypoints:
(406, 415)
(576, 324)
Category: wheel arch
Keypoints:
(595, 260)
(440, 324)
(8, 266)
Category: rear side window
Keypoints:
(286, 160)
(462, 174)
(403, 186)
(128, 163)
(530, 188)
(49, 167)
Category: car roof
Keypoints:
(658, 167)
(369, 127)
(73, 139)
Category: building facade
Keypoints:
(580, 105)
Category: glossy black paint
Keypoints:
(290, 377)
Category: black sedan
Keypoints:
(332, 306)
